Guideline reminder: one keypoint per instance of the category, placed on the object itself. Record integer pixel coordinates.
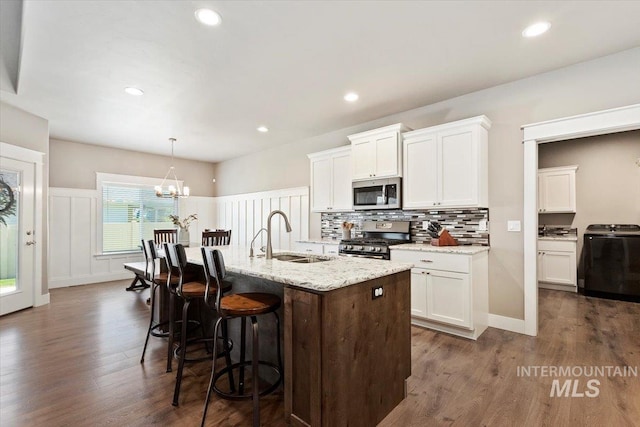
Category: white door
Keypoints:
(321, 185)
(449, 298)
(458, 151)
(17, 239)
(419, 292)
(420, 173)
(341, 183)
(386, 156)
(363, 159)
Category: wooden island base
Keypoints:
(347, 355)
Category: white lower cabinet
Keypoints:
(449, 292)
(557, 268)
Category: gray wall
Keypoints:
(74, 165)
(607, 180)
(608, 82)
(17, 127)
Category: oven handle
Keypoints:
(363, 256)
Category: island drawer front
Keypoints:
(434, 261)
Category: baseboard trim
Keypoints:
(506, 323)
(42, 300)
(88, 279)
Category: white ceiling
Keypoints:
(286, 64)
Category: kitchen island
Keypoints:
(347, 337)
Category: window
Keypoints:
(130, 212)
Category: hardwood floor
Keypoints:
(75, 362)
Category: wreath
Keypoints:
(7, 201)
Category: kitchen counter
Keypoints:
(422, 247)
(336, 273)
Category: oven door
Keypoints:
(376, 194)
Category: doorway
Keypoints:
(19, 257)
(591, 124)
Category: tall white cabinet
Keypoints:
(331, 180)
(447, 165)
(377, 153)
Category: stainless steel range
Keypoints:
(377, 237)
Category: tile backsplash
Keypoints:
(461, 223)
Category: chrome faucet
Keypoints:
(254, 239)
(286, 223)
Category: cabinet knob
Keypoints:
(426, 260)
(329, 207)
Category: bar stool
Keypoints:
(188, 291)
(241, 306)
(157, 280)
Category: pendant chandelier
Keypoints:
(172, 190)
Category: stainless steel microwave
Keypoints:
(377, 194)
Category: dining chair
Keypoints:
(162, 236)
(216, 238)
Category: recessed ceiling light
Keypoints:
(134, 91)
(351, 97)
(536, 29)
(263, 129)
(208, 17)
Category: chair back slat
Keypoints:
(214, 273)
(216, 238)
(150, 254)
(162, 236)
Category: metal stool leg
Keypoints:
(153, 289)
(227, 353)
(171, 332)
(255, 363)
(243, 348)
(213, 373)
(183, 350)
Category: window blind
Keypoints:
(131, 213)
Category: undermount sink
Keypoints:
(299, 258)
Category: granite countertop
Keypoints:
(320, 241)
(568, 238)
(422, 247)
(337, 272)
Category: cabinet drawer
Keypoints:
(556, 245)
(434, 261)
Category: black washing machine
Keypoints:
(612, 261)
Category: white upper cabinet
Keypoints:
(557, 189)
(331, 180)
(377, 153)
(447, 165)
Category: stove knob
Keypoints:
(378, 249)
(348, 247)
(360, 248)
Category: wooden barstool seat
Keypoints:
(243, 306)
(249, 304)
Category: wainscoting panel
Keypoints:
(245, 214)
(75, 259)
(73, 254)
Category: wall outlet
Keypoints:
(513, 225)
(482, 225)
(377, 292)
